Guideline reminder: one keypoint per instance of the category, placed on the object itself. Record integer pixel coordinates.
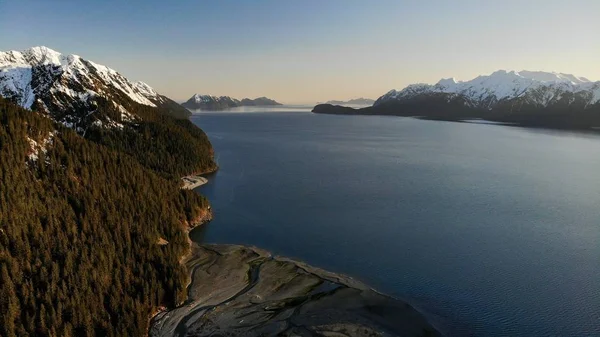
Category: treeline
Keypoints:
(80, 225)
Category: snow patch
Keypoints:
(108, 124)
(15, 82)
(125, 115)
(206, 98)
(35, 148)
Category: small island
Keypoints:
(208, 102)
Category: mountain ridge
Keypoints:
(354, 101)
(526, 98)
(104, 106)
(69, 88)
(486, 90)
(208, 102)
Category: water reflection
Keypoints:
(198, 234)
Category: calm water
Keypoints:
(490, 230)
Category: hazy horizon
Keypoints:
(302, 52)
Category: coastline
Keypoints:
(205, 216)
(242, 290)
(239, 290)
(534, 121)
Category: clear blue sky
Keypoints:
(308, 51)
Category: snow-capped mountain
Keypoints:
(526, 98)
(531, 88)
(70, 89)
(208, 102)
(354, 101)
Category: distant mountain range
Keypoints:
(207, 102)
(529, 98)
(355, 101)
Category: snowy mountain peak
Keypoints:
(68, 87)
(552, 77)
(29, 75)
(208, 102)
(538, 76)
(535, 87)
(198, 98)
(447, 81)
(44, 55)
(36, 56)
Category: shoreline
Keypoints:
(566, 124)
(189, 226)
(240, 290)
(205, 217)
(275, 295)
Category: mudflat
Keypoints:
(245, 291)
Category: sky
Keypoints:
(309, 51)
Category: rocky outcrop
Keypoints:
(205, 215)
(192, 181)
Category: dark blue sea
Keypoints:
(488, 230)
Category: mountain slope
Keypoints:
(81, 227)
(526, 98)
(68, 87)
(207, 102)
(104, 106)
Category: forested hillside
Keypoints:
(81, 223)
(171, 146)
